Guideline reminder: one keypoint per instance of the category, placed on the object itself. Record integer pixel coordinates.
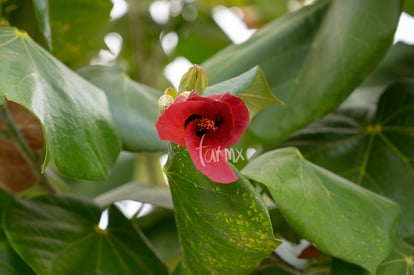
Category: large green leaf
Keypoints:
(375, 150)
(78, 29)
(251, 86)
(60, 235)
(313, 59)
(222, 228)
(340, 218)
(77, 125)
(134, 107)
(10, 262)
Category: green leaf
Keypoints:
(251, 86)
(78, 29)
(29, 16)
(160, 228)
(41, 8)
(77, 125)
(400, 261)
(222, 228)
(373, 149)
(10, 262)
(134, 107)
(396, 64)
(139, 192)
(60, 235)
(121, 172)
(340, 218)
(409, 6)
(312, 58)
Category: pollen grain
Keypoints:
(203, 125)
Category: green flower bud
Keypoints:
(194, 79)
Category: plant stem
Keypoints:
(29, 156)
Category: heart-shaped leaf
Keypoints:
(340, 218)
(60, 235)
(312, 58)
(10, 262)
(77, 125)
(222, 228)
(251, 86)
(375, 150)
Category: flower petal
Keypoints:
(171, 123)
(239, 112)
(209, 152)
(209, 160)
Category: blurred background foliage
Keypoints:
(146, 39)
(143, 38)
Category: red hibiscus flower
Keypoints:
(206, 126)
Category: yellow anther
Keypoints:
(203, 125)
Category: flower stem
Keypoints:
(14, 135)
